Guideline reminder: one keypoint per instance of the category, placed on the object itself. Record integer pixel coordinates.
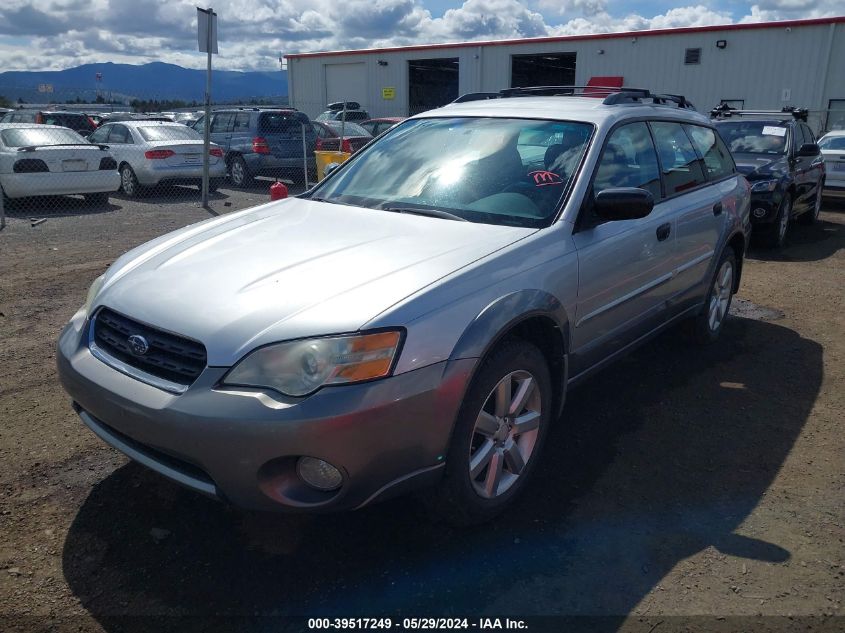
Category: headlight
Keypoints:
(93, 291)
(298, 368)
(764, 185)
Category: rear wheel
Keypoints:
(498, 435)
(129, 182)
(239, 173)
(706, 327)
(812, 215)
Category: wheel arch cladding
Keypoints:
(531, 315)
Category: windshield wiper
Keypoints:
(431, 213)
(322, 200)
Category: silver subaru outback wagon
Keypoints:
(415, 320)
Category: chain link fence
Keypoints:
(77, 159)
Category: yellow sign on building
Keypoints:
(388, 93)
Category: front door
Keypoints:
(624, 266)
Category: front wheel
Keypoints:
(811, 216)
(775, 236)
(498, 435)
(706, 327)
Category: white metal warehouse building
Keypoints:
(799, 63)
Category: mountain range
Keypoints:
(156, 80)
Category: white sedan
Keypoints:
(832, 146)
(48, 160)
(149, 153)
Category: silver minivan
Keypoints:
(415, 320)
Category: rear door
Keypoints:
(241, 137)
(813, 169)
(624, 267)
(221, 128)
(699, 181)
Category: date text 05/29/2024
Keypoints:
(416, 624)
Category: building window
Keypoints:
(692, 56)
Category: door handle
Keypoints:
(663, 231)
(717, 208)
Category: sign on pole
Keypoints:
(207, 39)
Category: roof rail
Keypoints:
(724, 111)
(613, 95)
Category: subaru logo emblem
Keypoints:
(138, 345)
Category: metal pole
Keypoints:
(342, 128)
(2, 211)
(304, 156)
(206, 142)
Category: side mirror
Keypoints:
(330, 168)
(809, 149)
(623, 203)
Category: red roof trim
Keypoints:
(575, 38)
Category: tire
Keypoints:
(239, 173)
(97, 199)
(775, 236)
(469, 493)
(810, 217)
(129, 182)
(706, 327)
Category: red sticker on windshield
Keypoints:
(545, 178)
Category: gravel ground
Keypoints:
(683, 489)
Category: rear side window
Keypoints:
(718, 162)
(629, 160)
(222, 122)
(241, 122)
(681, 166)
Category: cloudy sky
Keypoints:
(55, 34)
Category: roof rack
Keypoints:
(613, 95)
(724, 111)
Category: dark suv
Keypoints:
(777, 153)
(264, 142)
(335, 112)
(76, 121)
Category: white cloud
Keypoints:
(63, 33)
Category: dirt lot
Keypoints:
(706, 484)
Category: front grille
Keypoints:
(170, 356)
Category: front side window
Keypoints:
(120, 135)
(100, 135)
(681, 166)
(629, 160)
(717, 159)
(472, 168)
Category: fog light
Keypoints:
(318, 473)
(759, 212)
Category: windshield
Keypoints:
(489, 170)
(832, 142)
(349, 129)
(168, 133)
(41, 136)
(754, 137)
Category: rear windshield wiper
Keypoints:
(431, 213)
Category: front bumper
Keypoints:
(386, 437)
(60, 183)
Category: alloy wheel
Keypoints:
(720, 296)
(505, 434)
(237, 171)
(127, 181)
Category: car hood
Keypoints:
(287, 270)
(756, 166)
